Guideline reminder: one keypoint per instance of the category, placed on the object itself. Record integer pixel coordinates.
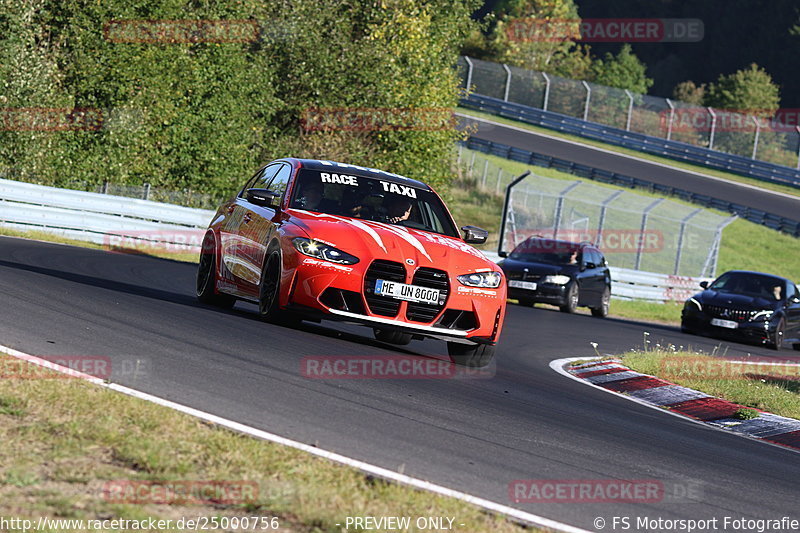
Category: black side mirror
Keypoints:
(474, 235)
(795, 299)
(263, 197)
(502, 254)
(589, 265)
(704, 284)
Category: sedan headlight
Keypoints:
(488, 280)
(764, 315)
(558, 279)
(692, 301)
(317, 250)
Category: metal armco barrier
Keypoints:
(627, 284)
(792, 227)
(680, 151)
(99, 218)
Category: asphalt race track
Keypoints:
(765, 200)
(476, 435)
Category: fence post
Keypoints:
(588, 97)
(146, 194)
(630, 110)
(679, 251)
(508, 82)
(499, 175)
(602, 221)
(560, 207)
(671, 117)
(546, 91)
(713, 128)
(469, 73)
(798, 146)
(645, 214)
(485, 168)
(104, 190)
(755, 141)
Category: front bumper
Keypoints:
(468, 316)
(757, 332)
(545, 293)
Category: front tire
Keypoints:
(207, 277)
(571, 304)
(392, 336)
(605, 301)
(776, 343)
(269, 288)
(470, 355)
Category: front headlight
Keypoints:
(695, 302)
(558, 279)
(318, 250)
(764, 315)
(488, 280)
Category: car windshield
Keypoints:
(352, 195)
(551, 252)
(750, 285)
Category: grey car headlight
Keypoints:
(558, 279)
(488, 280)
(317, 250)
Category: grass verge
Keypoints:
(65, 440)
(775, 389)
(641, 155)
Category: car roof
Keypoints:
(320, 164)
(756, 273)
(562, 243)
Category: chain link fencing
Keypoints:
(634, 231)
(727, 131)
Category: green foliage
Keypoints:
(538, 35)
(623, 71)
(687, 91)
(749, 91)
(205, 114)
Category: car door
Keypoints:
(258, 225)
(594, 278)
(238, 251)
(792, 312)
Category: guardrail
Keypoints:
(628, 284)
(753, 168)
(99, 218)
(792, 227)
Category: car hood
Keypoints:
(735, 301)
(376, 240)
(542, 269)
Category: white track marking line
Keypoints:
(264, 435)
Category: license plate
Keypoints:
(730, 324)
(409, 293)
(530, 285)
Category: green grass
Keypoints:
(64, 439)
(641, 155)
(768, 388)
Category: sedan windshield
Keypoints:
(371, 199)
(551, 252)
(750, 285)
